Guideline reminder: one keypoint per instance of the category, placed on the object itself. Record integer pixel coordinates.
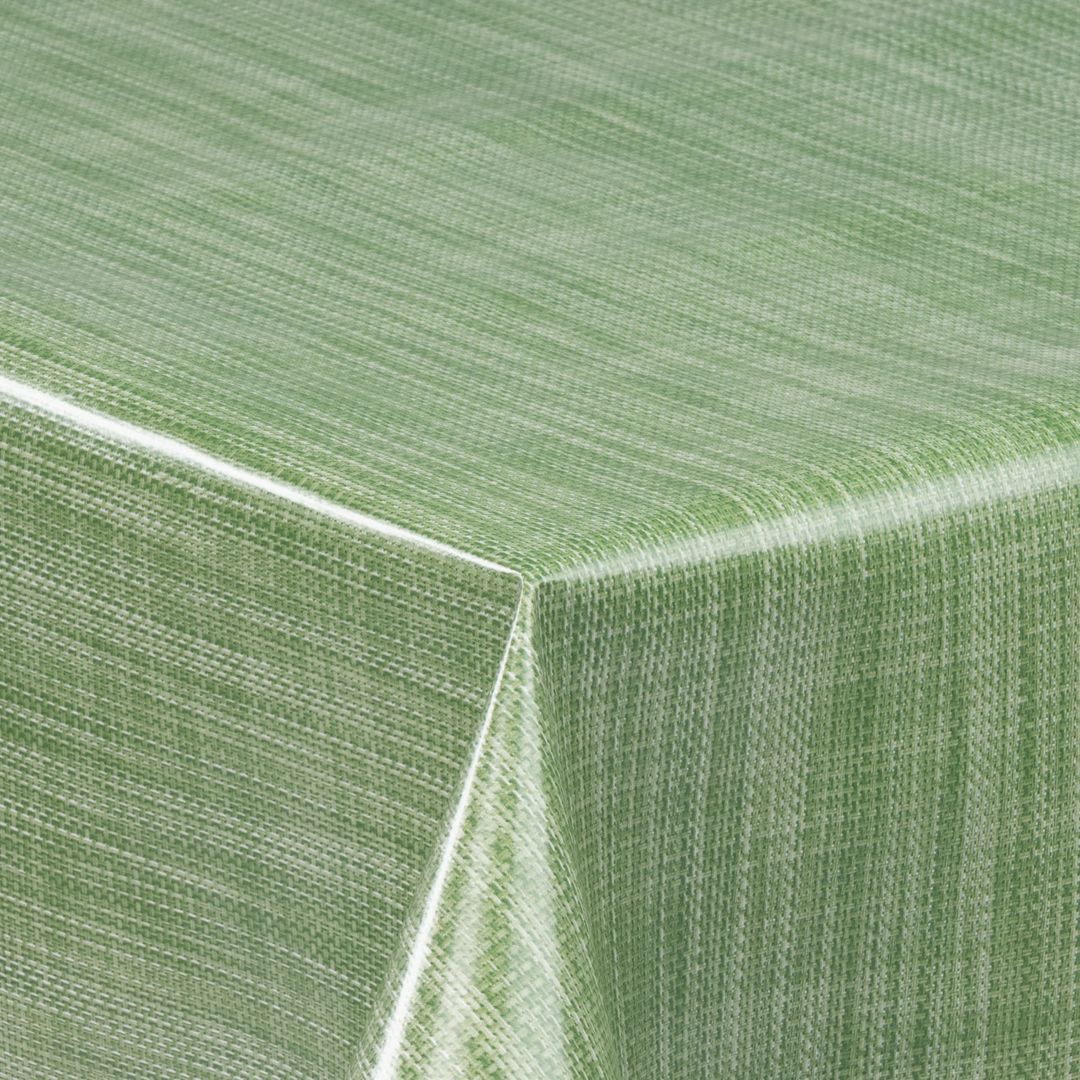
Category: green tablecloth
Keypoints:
(539, 541)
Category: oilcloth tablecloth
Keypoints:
(539, 541)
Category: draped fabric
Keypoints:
(539, 541)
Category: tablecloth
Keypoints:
(539, 541)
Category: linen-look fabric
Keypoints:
(539, 541)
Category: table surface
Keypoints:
(552, 283)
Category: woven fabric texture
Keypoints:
(539, 541)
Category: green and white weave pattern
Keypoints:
(539, 541)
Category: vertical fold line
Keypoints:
(393, 1039)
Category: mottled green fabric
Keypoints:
(231, 734)
(539, 541)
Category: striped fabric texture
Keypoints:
(539, 541)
